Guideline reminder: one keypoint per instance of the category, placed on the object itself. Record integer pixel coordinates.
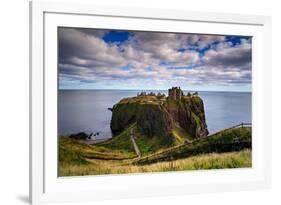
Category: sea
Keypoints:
(87, 110)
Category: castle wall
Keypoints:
(175, 93)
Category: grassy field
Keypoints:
(228, 141)
(229, 149)
(72, 151)
(206, 161)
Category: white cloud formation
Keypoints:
(226, 56)
(150, 57)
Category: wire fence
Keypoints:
(241, 125)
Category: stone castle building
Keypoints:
(175, 93)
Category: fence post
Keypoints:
(171, 165)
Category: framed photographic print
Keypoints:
(127, 102)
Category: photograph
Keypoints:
(133, 101)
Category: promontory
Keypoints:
(157, 115)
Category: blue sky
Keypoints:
(107, 59)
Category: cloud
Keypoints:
(152, 59)
(206, 40)
(163, 46)
(79, 48)
(225, 56)
(98, 33)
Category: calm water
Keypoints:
(86, 111)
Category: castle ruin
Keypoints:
(175, 93)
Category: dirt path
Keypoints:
(137, 150)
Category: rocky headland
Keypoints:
(157, 114)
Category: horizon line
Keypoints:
(112, 89)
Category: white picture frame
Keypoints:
(46, 186)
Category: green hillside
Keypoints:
(228, 149)
(231, 140)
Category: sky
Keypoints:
(140, 60)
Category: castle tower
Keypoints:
(175, 93)
(178, 93)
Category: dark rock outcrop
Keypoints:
(189, 114)
(79, 136)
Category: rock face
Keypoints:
(189, 114)
(158, 115)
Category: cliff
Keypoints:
(159, 115)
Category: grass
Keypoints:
(196, 118)
(119, 142)
(149, 145)
(206, 161)
(140, 99)
(181, 135)
(230, 140)
(229, 149)
(78, 150)
(67, 157)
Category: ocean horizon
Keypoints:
(86, 110)
(160, 90)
